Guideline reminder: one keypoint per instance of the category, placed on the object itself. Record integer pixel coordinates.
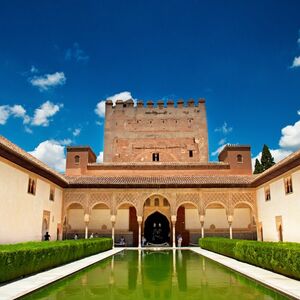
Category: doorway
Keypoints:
(157, 229)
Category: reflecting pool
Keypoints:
(174, 274)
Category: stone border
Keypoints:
(280, 283)
(284, 285)
(27, 285)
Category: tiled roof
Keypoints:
(33, 162)
(207, 180)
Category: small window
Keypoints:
(191, 154)
(155, 156)
(77, 159)
(267, 193)
(156, 202)
(288, 185)
(147, 203)
(31, 186)
(52, 193)
(124, 105)
(239, 158)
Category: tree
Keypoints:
(267, 160)
(258, 167)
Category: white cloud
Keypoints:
(290, 138)
(217, 152)
(298, 112)
(52, 153)
(100, 109)
(296, 62)
(76, 132)
(278, 155)
(33, 69)
(124, 96)
(44, 112)
(224, 129)
(17, 111)
(76, 53)
(4, 114)
(48, 80)
(28, 130)
(100, 157)
(222, 141)
(65, 142)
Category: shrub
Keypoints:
(17, 260)
(283, 258)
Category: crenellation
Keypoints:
(160, 104)
(180, 103)
(170, 103)
(191, 103)
(150, 104)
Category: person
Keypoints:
(179, 240)
(122, 241)
(92, 235)
(76, 236)
(143, 241)
(47, 236)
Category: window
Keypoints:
(156, 202)
(267, 193)
(166, 202)
(239, 158)
(52, 193)
(147, 203)
(191, 154)
(77, 159)
(155, 156)
(31, 186)
(288, 185)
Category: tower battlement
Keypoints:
(145, 131)
(125, 106)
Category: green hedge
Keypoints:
(283, 258)
(17, 260)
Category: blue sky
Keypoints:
(59, 59)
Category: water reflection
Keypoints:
(143, 274)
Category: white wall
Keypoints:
(216, 216)
(100, 217)
(192, 220)
(286, 206)
(122, 219)
(241, 218)
(21, 214)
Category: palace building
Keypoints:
(156, 182)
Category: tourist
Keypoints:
(179, 240)
(143, 241)
(76, 236)
(122, 241)
(47, 236)
(92, 235)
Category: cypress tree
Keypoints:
(258, 167)
(267, 160)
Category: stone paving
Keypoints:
(285, 285)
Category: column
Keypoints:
(113, 222)
(202, 225)
(230, 220)
(140, 219)
(173, 219)
(86, 221)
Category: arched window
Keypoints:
(239, 158)
(77, 159)
(156, 202)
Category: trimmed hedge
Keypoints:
(283, 258)
(17, 260)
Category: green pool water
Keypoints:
(133, 274)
